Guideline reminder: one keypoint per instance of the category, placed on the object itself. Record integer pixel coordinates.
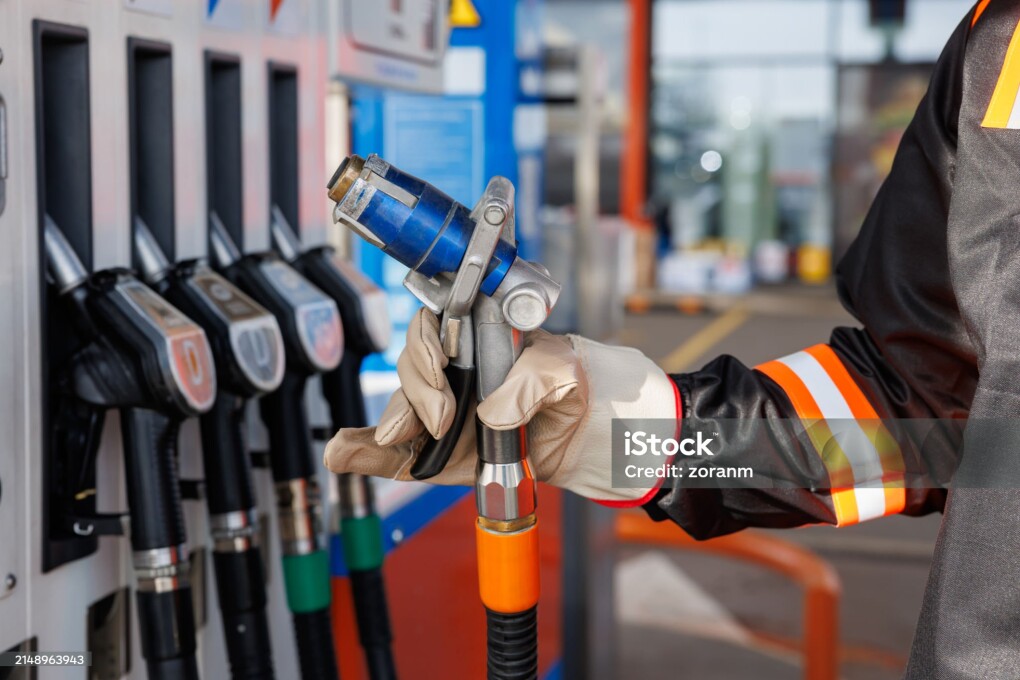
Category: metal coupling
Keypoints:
(299, 509)
(161, 570)
(505, 492)
(527, 295)
(234, 532)
(356, 498)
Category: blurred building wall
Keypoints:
(756, 105)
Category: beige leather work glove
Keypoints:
(567, 389)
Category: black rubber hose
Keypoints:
(226, 463)
(290, 442)
(373, 618)
(240, 585)
(512, 645)
(342, 389)
(166, 624)
(291, 458)
(150, 464)
(316, 656)
(240, 581)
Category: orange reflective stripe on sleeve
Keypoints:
(855, 399)
(887, 448)
(864, 462)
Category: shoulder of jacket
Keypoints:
(992, 63)
(987, 14)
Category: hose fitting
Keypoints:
(299, 507)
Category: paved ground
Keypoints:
(883, 564)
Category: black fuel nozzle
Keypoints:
(313, 339)
(245, 337)
(137, 353)
(248, 349)
(366, 324)
(153, 356)
(308, 319)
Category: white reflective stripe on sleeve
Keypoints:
(870, 502)
(858, 448)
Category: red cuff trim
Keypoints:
(658, 485)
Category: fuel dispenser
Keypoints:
(366, 325)
(102, 133)
(463, 266)
(129, 349)
(313, 339)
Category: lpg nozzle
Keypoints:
(453, 255)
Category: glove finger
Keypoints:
(420, 368)
(425, 350)
(398, 423)
(353, 449)
(545, 374)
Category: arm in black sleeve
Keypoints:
(801, 480)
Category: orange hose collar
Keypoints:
(508, 569)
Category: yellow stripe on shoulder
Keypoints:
(1003, 111)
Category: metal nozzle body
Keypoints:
(223, 251)
(149, 256)
(63, 264)
(505, 492)
(284, 238)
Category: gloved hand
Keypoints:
(567, 389)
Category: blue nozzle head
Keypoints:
(410, 220)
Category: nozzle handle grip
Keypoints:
(225, 460)
(290, 442)
(435, 454)
(342, 389)
(150, 464)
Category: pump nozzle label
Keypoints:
(255, 338)
(182, 349)
(315, 315)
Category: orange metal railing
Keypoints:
(816, 576)
(634, 161)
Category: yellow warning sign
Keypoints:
(463, 14)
